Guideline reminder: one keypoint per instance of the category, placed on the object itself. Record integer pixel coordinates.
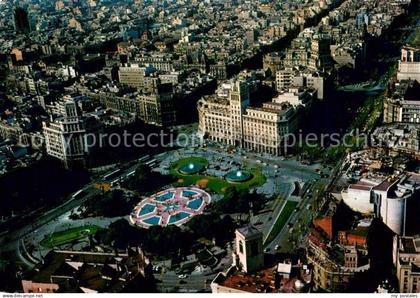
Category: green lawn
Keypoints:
(281, 220)
(215, 184)
(68, 236)
(179, 163)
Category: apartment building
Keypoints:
(292, 78)
(157, 108)
(403, 106)
(159, 61)
(134, 75)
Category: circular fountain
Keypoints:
(238, 176)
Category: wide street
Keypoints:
(10, 242)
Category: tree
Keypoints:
(212, 226)
(144, 180)
(121, 234)
(157, 240)
(235, 201)
(140, 178)
(111, 204)
(9, 280)
(168, 240)
(115, 204)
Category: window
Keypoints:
(241, 247)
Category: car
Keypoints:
(267, 249)
(182, 276)
(277, 247)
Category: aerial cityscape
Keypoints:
(209, 146)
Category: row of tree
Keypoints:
(112, 204)
(239, 201)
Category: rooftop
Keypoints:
(249, 231)
(386, 184)
(411, 244)
(267, 280)
(100, 272)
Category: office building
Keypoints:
(65, 133)
(228, 118)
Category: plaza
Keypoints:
(174, 206)
(213, 175)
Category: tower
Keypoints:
(239, 101)
(249, 249)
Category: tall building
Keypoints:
(406, 257)
(158, 107)
(265, 128)
(21, 20)
(239, 101)
(155, 103)
(65, 134)
(320, 53)
(228, 118)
